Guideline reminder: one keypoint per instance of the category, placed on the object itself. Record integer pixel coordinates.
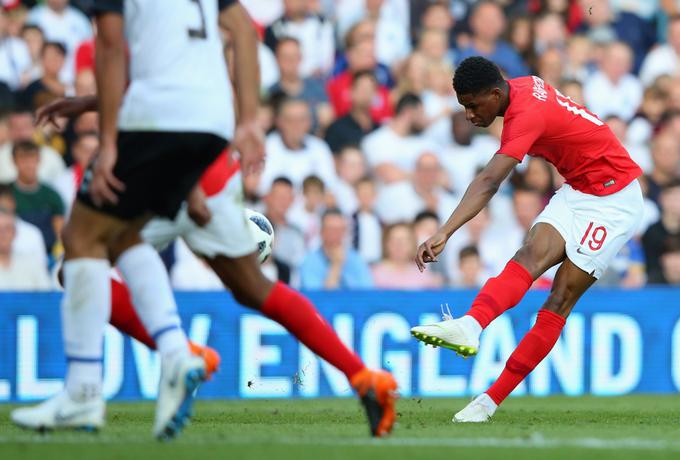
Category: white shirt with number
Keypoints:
(178, 76)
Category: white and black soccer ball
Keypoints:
(263, 233)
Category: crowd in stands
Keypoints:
(368, 150)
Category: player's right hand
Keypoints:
(104, 184)
(67, 107)
(430, 249)
(249, 142)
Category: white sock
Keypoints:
(147, 279)
(85, 312)
(472, 325)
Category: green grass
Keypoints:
(631, 427)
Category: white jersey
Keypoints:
(178, 75)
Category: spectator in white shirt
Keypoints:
(366, 228)
(83, 151)
(402, 201)
(28, 241)
(18, 273)
(613, 90)
(351, 168)
(393, 149)
(305, 213)
(292, 152)
(664, 59)
(313, 31)
(21, 128)
(391, 36)
(15, 58)
(60, 22)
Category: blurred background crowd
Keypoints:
(368, 151)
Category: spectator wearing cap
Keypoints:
(291, 83)
(334, 265)
(292, 152)
(18, 272)
(313, 31)
(487, 22)
(350, 129)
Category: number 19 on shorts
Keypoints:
(594, 237)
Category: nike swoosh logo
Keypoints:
(581, 252)
(63, 418)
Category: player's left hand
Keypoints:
(104, 184)
(249, 141)
(430, 249)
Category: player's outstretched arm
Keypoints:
(249, 138)
(478, 194)
(65, 107)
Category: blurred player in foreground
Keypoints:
(583, 227)
(225, 243)
(157, 136)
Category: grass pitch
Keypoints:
(633, 427)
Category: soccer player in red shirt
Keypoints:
(583, 226)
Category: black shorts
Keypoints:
(159, 169)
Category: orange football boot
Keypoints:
(210, 356)
(377, 391)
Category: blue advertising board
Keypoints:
(616, 342)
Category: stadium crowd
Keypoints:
(368, 150)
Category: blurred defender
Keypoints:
(173, 123)
(583, 227)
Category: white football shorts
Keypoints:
(594, 228)
(227, 233)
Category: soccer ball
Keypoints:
(263, 233)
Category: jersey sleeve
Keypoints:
(107, 6)
(224, 4)
(520, 133)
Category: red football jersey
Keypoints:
(542, 122)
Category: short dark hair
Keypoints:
(476, 74)
(331, 212)
(364, 74)
(313, 181)
(670, 185)
(58, 45)
(26, 147)
(281, 180)
(406, 101)
(468, 251)
(424, 215)
(286, 39)
(6, 190)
